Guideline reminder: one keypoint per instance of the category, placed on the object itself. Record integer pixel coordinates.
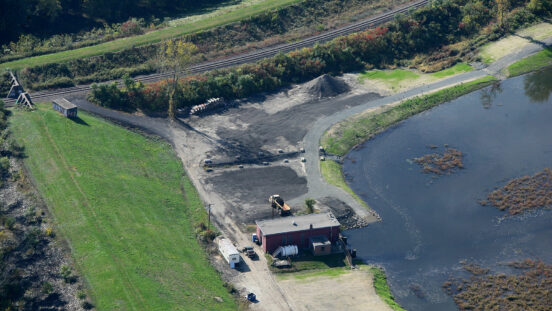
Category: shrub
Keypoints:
(49, 232)
(309, 204)
(86, 305)
(4, 166)
(81, 295)
(46, 288)
(67, 274)
(130, 28)
(109, 95)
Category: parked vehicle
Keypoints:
(249, 252)
(251, 297)
(255, 239)
(229, 252)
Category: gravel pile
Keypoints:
(326, 86)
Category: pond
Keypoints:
(431, 224)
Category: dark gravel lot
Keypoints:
(291, 124)
(247, 190)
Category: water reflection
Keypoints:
(489, 94)
(538, 86)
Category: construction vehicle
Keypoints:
(278, 203)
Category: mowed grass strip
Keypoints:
(382, 288)
(195, 25)
(126, 207)
(333, 174)
(534, 62)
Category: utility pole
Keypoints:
(209, 217)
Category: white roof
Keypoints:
(297, 223)
(64, 103)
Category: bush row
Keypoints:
(29, 45)
(426, 29)
(100, 68)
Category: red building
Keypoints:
(297, 230)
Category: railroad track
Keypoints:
(250, 56)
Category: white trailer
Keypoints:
(229, 252)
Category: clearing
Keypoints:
(496, 50)
(386, 82)
(126, 207)
(318, 290)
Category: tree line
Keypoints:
(46, 17)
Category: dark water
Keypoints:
(431, 224)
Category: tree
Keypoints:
(502, 7)
(175, 57)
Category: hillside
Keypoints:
(127, 209)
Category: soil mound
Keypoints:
(326, 86)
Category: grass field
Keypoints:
(332, 173)
(456, 69)
(533, 62)
(126, 207)
(349, 133)
(382, 288)
(392, 77)
(182, 27)
(399, 79)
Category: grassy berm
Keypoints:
(351, 132)
(127, 209)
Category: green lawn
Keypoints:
(530, 63)
(126, 207)
(331, 171)
(249, 8)
(456, 69)
(393, 77)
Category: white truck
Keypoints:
(229, 252)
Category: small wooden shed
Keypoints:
(65, 107)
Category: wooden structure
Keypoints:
(320, 245)
(25, 100)
(16, 88)
(298, 230)
(65, 107)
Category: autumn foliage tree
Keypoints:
(175, 57)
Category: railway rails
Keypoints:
(247, 57)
